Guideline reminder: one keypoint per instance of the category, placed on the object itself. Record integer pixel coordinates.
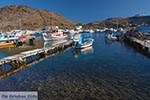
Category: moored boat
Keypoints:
(56, 35)
(111, 37)
(8, 37)
(81, 41)
(5, 44)
(86, 43)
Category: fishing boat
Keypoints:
(86, 43)
(55, 35)
(82, 40)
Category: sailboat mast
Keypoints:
(117, 23)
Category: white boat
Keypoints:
(91, 31)
(111, 37)
(74, 31)
(88, 31)
(55, 35)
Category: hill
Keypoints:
(24, 17)
(119, 22)
(110, 22)
(138, 20)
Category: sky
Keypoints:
(85, 11)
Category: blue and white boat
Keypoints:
(82, 40)
(4, 37)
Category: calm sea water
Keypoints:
(144, 29)
(109, 71)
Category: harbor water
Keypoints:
(109, 70)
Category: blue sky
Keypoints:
(85, 11)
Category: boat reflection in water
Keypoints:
(53, 43)
(84, 51)
(88, 50)
(9, 68)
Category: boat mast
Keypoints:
(20, 23)
(117, 23)
(50, 22)
(20, 19)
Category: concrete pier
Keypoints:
(144, 44)
(19, 60)
(141, 46)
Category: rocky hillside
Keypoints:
(110, 22)
(139, 20)
(119, 22)
(23, 17)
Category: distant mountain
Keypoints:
(24, 17)
(110, 22)
(139, 20)
(119, 22)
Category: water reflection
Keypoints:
(84, 51)
(138, 49)
(11, 50)
(8, 69)
(108, 41)
(52, 43)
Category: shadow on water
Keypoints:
(8, 69)
(108, 41)
(138, 49)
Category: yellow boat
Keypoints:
(9, 44)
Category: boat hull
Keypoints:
(54, 37)
(3, 45)
(85, 44)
